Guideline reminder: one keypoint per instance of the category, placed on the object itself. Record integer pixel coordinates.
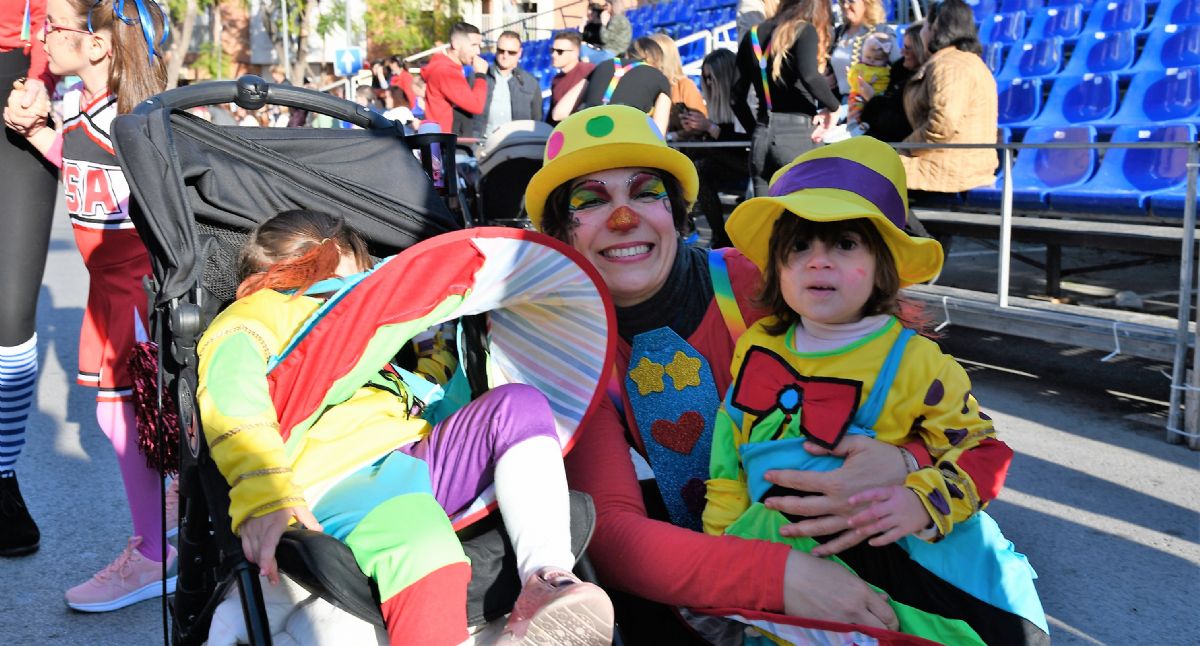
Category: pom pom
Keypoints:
(158, 430)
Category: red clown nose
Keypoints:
(623, 219)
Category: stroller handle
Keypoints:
(253, 92)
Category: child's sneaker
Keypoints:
(557, 608)
(127, 580)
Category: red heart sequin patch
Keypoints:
(679, 436)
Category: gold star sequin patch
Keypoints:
(648, 376)
(684, 370)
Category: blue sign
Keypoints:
(348, 61)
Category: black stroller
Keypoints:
(198, 189)
(504, 164)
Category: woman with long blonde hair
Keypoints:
(784, 59)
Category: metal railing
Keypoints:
(1187, 270)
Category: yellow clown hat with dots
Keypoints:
(602, 138)
(860, 177)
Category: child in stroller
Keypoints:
(363, 464)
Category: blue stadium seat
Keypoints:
(1019, 101)
(1033, 58)
(1087, 99)
(993, 55)
(1028, 6)
(1170, 46)
(1039, 171)
(1162, 96)
(1065, 21)
(1176, 12)
(983, 9)
(1169, 203)
(1003, 28)
(1115, 15)
(1103, 51)
(1087, 4)
(1129, 177)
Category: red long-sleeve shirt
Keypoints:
(446, 88)
(12, 20)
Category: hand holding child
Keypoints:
(260, 536)
(28, 108)
(892, 513)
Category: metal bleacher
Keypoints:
(1099, 107)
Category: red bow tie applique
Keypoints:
(766, 382)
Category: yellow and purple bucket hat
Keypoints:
(860, 177)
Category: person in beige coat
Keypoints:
(951, 100)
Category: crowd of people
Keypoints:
(819, 466)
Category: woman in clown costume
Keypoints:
(840, 355)
(612, 189)
(308, 421)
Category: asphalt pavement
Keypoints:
(1105, 509)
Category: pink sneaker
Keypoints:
(127, 580)
(556, 608)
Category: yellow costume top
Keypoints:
(930, 400)
(241, 425)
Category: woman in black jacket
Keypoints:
(784, 58)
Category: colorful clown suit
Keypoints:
(296, 409)
(897, 387)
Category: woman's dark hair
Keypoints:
(295, 249)
(717, 84)
(558, 223)
(952, 24)
(644, 49)
(790, 230)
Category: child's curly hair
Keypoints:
(295, 249)
(789, 231)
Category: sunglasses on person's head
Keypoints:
(560, 52)
(508, 52)
(50, 28)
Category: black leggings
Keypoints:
(27, 184)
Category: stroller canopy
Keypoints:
(514, 140)
(188, 176)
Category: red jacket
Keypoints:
(446, 88)
(12, 19)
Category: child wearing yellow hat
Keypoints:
(840, 355)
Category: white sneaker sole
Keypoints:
(568, 624)
(148, 591)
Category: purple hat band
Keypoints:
(846, 175)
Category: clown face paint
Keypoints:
(623, 225)
(829, 283)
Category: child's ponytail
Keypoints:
(296, 249)
(139, 30)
